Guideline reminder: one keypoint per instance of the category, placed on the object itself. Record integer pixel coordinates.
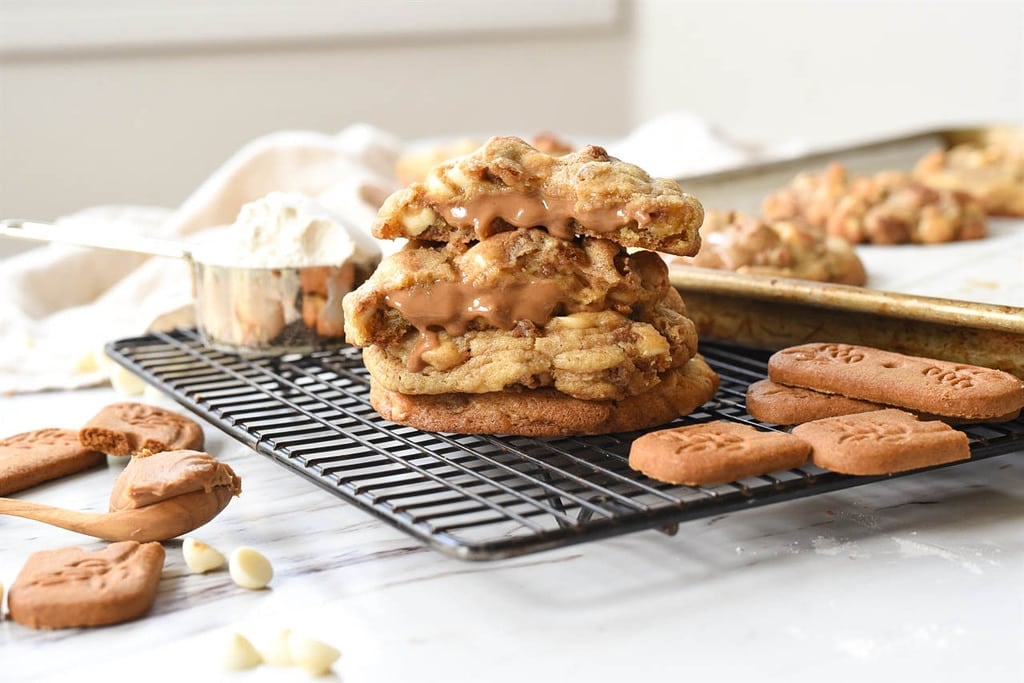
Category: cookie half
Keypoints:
(548, 412)
(507, 184)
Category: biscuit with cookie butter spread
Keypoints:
(731, 240)
(884, 208)
(150, 479)
(542, 324)
(507, 184)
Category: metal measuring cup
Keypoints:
(242, 310)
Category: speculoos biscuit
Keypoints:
(921, 385)
(776, 403)
(31, 458)
(770, 401)
(128, 428)
(71, 587)
(882, 442)
(715, 453)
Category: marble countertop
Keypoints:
(918, 577)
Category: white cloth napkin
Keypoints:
(59, 305)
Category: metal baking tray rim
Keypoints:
(849, 298)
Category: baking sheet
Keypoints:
(990, 270)
(963, 301)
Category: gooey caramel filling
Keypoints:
(453, 306)
(531, 210)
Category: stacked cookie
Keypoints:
(525, 301)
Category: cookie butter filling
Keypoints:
(452, 306)
(557, 215)
(154, 478)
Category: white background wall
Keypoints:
(144, 124)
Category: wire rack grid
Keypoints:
(474, 497)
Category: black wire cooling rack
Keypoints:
(472, 497)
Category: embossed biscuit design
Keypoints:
(882, 442)
(128, 428)
(769, 401)
(714, 452)
(919, 384)
(71, 587)
(31, 458)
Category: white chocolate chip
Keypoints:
(240, 654)
(86, 364)
(118, 461)
(201, 557)
(276, 652)
(250, 569)
(456, 176)
(314, 656)
(438, 187)
(126, 382)
(157, 397)
(415, 223)
(100, 357)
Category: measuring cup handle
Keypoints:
(48, 232)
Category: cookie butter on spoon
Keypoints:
(155, 498)
(149, 479)
(516, 306)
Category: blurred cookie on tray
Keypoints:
(991, 170)
(890, 207)
(414, 165)
(794, 248)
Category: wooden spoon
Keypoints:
(160, 521)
